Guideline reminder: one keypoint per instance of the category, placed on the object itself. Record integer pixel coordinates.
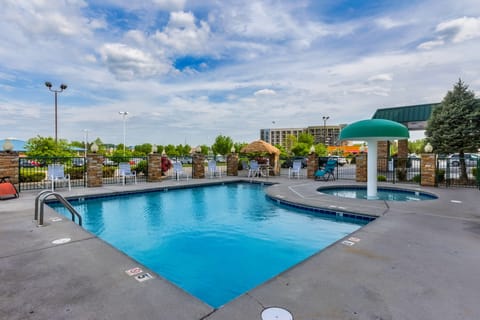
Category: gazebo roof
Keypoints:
(374, 129)
(260, 146)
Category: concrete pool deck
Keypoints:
(419, 260)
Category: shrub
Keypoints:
(381, 178)
(440, 175)
(109, 172)
(417, 178)
(141, 167)
(401, 174)
(32, 177)
(75, 173)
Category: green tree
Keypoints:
(301, 149)
(454, 125)
(290, 143)
(170, 150)
(306, 138)
(46, 147)
(321, 150)
(143, 149)
(416, 146)
(222, 145)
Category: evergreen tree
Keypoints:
(454, 126)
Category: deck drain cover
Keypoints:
(61, 240)
(276, 313)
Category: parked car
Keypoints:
(340, 160)
(108, 162)
(26, 163)
(186, 160)
(288, 163)
(471, 159)
(78, 162)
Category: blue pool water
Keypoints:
(215, 242)
(391, 194)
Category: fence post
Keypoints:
(9, 166)
(312, 165)
(94, 170)
(154, 170)
(232, 164)
(361, 168)
(428, 169)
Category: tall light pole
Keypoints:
(86, 141)
(325, 118)
(124, 114)
(62, 87)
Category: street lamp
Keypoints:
(124, 114)
(86, 141)
(325, 118)
(62, 87)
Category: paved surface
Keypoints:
(418, 260)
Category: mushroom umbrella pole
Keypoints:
(372, 131)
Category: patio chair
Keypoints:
(213, 170)
(327, 172)
(125, 171)
(56, 174)
(254, 169)
(178, 171)
(295, 170)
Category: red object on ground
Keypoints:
(7, 189)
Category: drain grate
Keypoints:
(275, 313)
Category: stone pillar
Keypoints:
(361, 167)
(382, 155)
(94, 170)
(154, 167)
(232, 164)
(198, 166)
(403, 149)
(9, 166)
(428, 169)
(312, 165)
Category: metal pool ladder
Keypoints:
(40, 202)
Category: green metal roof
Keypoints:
(374, 129)
(420, 112)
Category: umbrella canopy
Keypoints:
(374, 130)
(260, 146)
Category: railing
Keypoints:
(32, 171)
(111, 173)
(40, 203)
(452, 173)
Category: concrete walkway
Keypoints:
(418, 260)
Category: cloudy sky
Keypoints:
(187, 71)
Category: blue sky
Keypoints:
(187, 71)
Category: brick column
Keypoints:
(382, 155)
(198, 166)
(94, 170)
(154, 167)
(9, 166)
(361, 168)
(312, 165)
(232, 164)
(403, 148)
(428, 169)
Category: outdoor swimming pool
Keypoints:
(215, 242)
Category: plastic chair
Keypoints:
(213, 169)
(295, 170)
(327, 172)
(254, 169)
(178, 171)
(56, 173)
(125, 171)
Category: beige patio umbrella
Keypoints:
(261, 146)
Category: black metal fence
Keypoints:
(453, 173)
(33, 171)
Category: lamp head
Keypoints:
(63, 86)
(48, 84)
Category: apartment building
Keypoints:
(327, 134)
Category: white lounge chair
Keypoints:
(254, 169)
(125, 171)
(213, 170)
(56, 174)
(178, 171)
(295, 170)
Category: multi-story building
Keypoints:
(327, 135)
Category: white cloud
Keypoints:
(389, 23)
(431, 44)
(264, 92)
(182, 36)
(170, 5)
(381, 77)
(461, 29)
(128, 63)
